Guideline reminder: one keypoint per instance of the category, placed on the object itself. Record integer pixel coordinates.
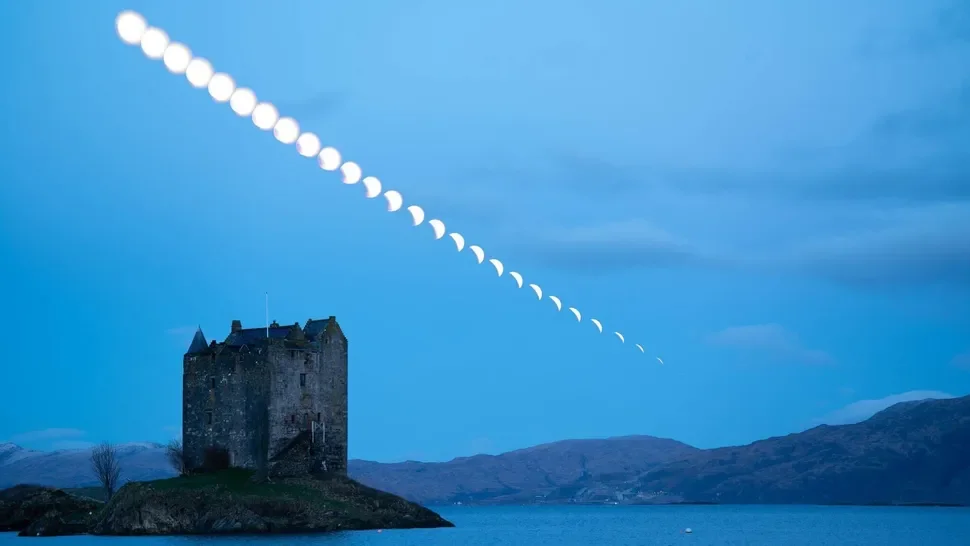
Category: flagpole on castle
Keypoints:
(267, 315)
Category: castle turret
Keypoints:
(198, 342)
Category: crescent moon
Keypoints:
(351, 172)
(660, 361)
(557, 302)
(479, 253)
(639, 347)
(417, 214)
(373, 187)
(459, 240)
(394, 200)
(535, 288)
(599, 325)
(575, 311)
(619, 335)
(518, 278)
(499, 268)
(439, 228)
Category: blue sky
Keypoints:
(773, 196)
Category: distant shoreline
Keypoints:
(700, 503)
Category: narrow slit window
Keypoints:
(212, 382)
(318, 416)
(208, 417)
(293, 418)
(303, 380)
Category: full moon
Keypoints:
(153, 43)
(131, 27)
(221, 87)
(199, 72)
(177, 58)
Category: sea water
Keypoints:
(623, 526)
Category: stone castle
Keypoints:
(255, 393)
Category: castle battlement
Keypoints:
(258, 389)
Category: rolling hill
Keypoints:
(913, 452)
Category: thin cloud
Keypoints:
(770, 339)
(181, 331)
(72, 445)
(857, 412)
(47, 435)
(617, 245)
(961, 361)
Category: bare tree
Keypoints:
(107, 468)
(176, 456)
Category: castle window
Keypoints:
(212, 382)
(208, 417)
(318, 416)
(303, 380)
(293, 418)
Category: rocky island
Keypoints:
(228, 501)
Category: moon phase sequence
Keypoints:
(155, 43)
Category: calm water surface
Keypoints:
(626, 526)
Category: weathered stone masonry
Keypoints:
(254, 393)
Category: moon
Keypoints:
(459, 240)
(308, 145)
(177, 57)
(351, 172)
(438, 226)
(286, 130)
(243, 101)
(479, 253)
(131, 26)
(153, 43)
(394, 200)
(265, 115)
(417, 214)
(535, 288)
(329, 159)
(221, 88)
(199, 71)
(372, 186)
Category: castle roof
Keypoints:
(198, 342)
(315, 327)
(252, 336)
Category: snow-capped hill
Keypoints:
(72, 467)
(10, 452)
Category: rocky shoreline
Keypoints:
(226, 502)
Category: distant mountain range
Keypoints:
(912, 453)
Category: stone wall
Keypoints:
(224, 400)
(293, 406)
(333, 350)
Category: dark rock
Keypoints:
(22, 506)
(232, 502)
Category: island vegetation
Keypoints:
(213, 500)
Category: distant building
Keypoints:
(254, 393)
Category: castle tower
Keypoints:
(254, 393)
